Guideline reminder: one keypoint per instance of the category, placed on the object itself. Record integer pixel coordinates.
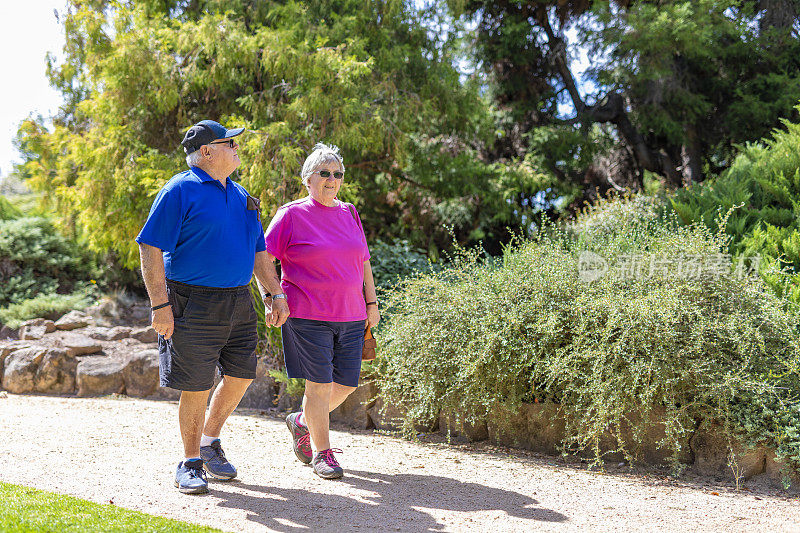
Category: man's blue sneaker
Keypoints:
(215, 463)
(190, 477)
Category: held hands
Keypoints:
(163, 322)
(275, 311)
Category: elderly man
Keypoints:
(198, 248)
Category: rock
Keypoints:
(56, 373)
(141, 373)
(385, 416)
(49, 325)
(3, 394)
(32, 332)
(73, 320)
(146, 335)
(20, 369)
(8, 333)
(140, 314)
(102, 312)
(463, 426)
(716, 455)
(353, 411)
(780, 473)
(111, 334)
(534, 426)
(100, 376)
(77, 344)
(8, 347)
(11, 346)
(287, 402)
(261, 393)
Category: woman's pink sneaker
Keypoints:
(325, 464)
(301, 440)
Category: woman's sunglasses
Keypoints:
(327, 174)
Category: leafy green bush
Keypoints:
(49, 305)
(8, 210)
(35, 260)
(393, 261)
(479, 335)
(764, 184)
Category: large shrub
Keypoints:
(394, 261)
(36, 260)
(695, 346)
(763, 184)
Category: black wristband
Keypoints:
(372, 303)
(159, 306)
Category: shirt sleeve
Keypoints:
(363, 236)
(163, 224)
(279, 234)
(260, 244)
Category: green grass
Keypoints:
(23, 509)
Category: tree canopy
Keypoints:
(466, 117)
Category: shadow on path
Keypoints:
(379, 502)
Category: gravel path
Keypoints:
(125, 451)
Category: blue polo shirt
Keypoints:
(205, 230)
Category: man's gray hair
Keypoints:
(193, 159)
(321, 154)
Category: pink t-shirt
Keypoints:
(322, 251)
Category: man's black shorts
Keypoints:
(214, 328)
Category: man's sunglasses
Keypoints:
(327, 174)
(229, 142)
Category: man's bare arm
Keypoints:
(267, 277)
(156, 285)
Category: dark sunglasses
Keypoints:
(229, 142)
(327, 174)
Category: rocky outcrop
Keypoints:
(111, 334)
(98, 377)
(146, 335)
(73, 320)
(354, 410)
(56, 372)
(140, 374)
(385, 416)
(77, 344)
(19, 373)
(36, 329)
(716, 455)
(261, 393)
(8, 333)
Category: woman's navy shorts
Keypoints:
(322, 351)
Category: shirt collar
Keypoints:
(202, 174)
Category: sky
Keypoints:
(28, 30)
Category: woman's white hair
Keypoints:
(194, 158)
(321, 154)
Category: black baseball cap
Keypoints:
(205, 132)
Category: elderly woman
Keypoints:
(323, 302)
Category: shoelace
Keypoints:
(197, 472)
(327, 456)
(217, 447)
(304, 442)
